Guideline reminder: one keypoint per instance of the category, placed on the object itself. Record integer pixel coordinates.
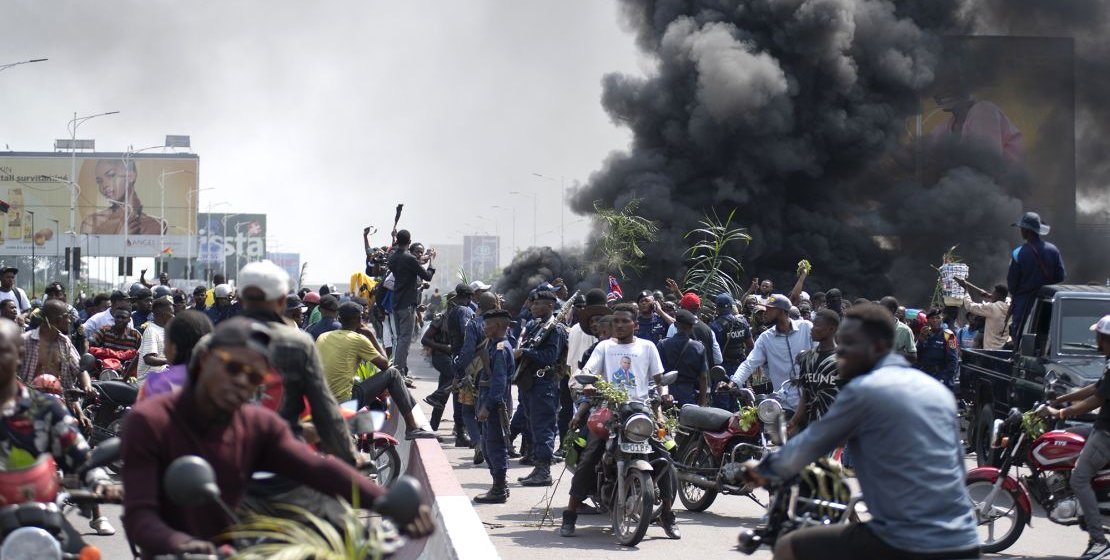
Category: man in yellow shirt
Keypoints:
(342, 351)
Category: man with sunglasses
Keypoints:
(212, 417)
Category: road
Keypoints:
(516, 529)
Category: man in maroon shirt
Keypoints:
(211, 417)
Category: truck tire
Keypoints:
(984, 455)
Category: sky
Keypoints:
(327, 115)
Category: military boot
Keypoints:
(541, 476)
(498, 493)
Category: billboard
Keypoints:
(154, 194)
(291, 264)
(226, 242)
(481, 256)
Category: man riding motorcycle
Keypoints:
(1096, 452)
(901, 429)
(211, 417)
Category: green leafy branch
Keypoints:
(622, 234)
(710, 269)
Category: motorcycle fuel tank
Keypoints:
(1056, 450)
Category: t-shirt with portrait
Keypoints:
(628, 366)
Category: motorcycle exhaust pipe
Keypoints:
(697, 480)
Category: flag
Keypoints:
(168, 251)
(615, 293)
(254, 228)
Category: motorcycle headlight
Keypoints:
(996, 433)
(30, 543)
(769, 411)
(638, 428)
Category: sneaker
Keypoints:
(420, 433)
(433, 402)
(478, 457)
(1095, 548)
(102, 527)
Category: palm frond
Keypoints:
(305, 536)
(709, 269)
(622, 234)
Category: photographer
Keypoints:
(408, 272)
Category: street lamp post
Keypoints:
(33, 273)
(192, 224)
(162, 229)
(14, 64)
(562, 209)
(57, 239)
(513, 208)
(74, 124)
(208, 236)
(535, 212)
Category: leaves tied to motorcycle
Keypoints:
(824, 480)
(748, 415)
(616, 395)
(1033, 425)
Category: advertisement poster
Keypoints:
(291, 264)
(226, 242)
(481, 256)
(153, 194)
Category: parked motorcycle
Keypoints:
(379, 448)
(1003, 498)
(34, 526)
(633, 464)
(712, 445)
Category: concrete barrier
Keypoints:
(460, 534)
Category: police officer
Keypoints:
(652, 322)
(493, 391)
(734, 336)
(684, 354)
(936, 349)
(542, 351)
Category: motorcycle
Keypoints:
(633, 464)
(713, 443)
(1003, 498)
(818, 496)
(34, 525)
(379, 448)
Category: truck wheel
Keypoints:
(984, 455)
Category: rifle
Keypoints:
(543, 332)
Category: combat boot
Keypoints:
(541, 476)
(569, 519)
(498, 493)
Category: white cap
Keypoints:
(478, 285)
(266, 276)
(1102, 326)
(223, 290)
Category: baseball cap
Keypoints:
(312, 297)
(292, 301)
(268, 277)
(349, 310)
(478, 285)
(685, 317)
(463, 290)
(690, 301)
(779, 301)
(546, 295)
(1102, 326)
(329, 303)
(221, 291)
(10, 269)
(724, 300)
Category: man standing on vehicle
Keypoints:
(493, 390)
(994, 311)
(902, 432)
(937, 353)
(408, 271)
(1096, 452)
(1034, 264)
(542, 351)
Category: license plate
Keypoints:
(642, 448)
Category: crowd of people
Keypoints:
(871, 373)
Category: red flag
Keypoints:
(254, 228)
(615, 293)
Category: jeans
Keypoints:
(493, 443)
(390, 380)
(442, 364)
(541, 406)
(403, 319)
(1095, 455)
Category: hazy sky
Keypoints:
(326, 115)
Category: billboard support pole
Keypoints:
(73, 186)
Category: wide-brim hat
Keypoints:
(587, 314)
(1032, 222)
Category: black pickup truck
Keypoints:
(1055, 354)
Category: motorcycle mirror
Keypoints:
(190, 481)
(366, 422)
(87, 362)
(668, 378)
(106, 452)
(402, 503)
(746, 396)
(586, 379)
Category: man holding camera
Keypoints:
(408, 270)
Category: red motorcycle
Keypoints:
(1003, 498)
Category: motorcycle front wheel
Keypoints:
(695, 498)
(632, 512)
(1003, 522)
(384, 461)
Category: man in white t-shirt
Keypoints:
(152, 352)
(8, 290)
(630, 363)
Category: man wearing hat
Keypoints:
(1034, 264)
(702, 332)
(329, 310)
(684, 354)
(222, 308)
(777, 349)
(294, 309)
(652, 321)
(312, 311)
(8, 289)
(1096, 452)
(104, 318)
(541, 351)
(493, 393)
(467, 430)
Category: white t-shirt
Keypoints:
(21, 302)
(631, 366)
(154, 342)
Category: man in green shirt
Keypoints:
(903, 335)
(342, 351)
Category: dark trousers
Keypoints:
(684, 391)
(442, 364)
(584, 480)
(855, 541)
(493, 443)
(724, 400)
(390, 380)
(519, 424)
(541, 408)
(566, 408)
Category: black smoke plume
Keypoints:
(533, 267)
(791, 112)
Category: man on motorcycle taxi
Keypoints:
(211, 417)
(611, 360)
(1096, 452)
(902, 432)
(36, 423)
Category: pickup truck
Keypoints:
(1055, 353)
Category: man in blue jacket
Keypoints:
(493, 386)
(1034, 264)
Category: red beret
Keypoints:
(690, 302)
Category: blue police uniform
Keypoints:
(493, 389)
(472, 333)
(539, 388)
(937, 356)
(686, 356)
(732, 335)
(653, 328)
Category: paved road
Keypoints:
(516, 531)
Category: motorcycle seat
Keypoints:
(704, 418)
(118, 392)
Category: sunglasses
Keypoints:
(235, 367)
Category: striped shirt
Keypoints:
(107, 337)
